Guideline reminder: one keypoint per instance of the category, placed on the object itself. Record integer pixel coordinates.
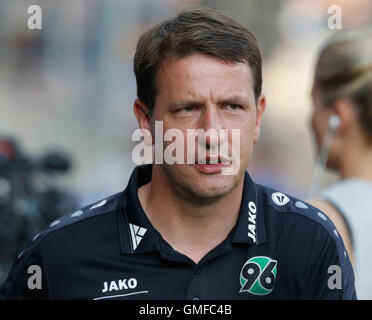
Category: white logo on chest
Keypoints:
(252, 220)
(122, 284)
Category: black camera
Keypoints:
(29, 200)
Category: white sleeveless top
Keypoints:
(353, 199)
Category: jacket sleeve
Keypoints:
(27, 278)
(332, 275)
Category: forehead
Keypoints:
(203, 76)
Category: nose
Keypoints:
(211, 122)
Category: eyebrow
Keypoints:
(185, 103)
(234, 100)
(230, 100)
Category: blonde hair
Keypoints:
(344, 70)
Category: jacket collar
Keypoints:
(143, 237)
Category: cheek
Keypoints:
(247, 140)
(318, 127)
(313, 123)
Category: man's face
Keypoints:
(203, 92)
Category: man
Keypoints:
(184, 230)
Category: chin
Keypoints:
(211, 189)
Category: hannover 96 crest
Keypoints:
(258, 275)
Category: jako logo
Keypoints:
(258, 275)
(252, 219)
(119, 285)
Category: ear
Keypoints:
(142, 114)
(260, 109)
(347, 113)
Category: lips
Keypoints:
(209, 160)
(212, 164)
(214, 160)
(209, 168)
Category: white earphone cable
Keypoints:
(322, 158)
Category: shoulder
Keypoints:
(334, 215)
(308, 238)
(348, 193)
(76, 223)
(76, 234)
(290, 210)
(298, 224)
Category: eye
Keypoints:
(232, 106)
(187, 109)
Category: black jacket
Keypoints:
(280, 248)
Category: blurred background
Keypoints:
(67, 91)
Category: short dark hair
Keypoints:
(202, 30)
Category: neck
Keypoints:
(190, 227)
(357, 163)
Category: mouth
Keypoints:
(212, 165)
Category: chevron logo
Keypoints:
(136, 233)
(279, 198)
